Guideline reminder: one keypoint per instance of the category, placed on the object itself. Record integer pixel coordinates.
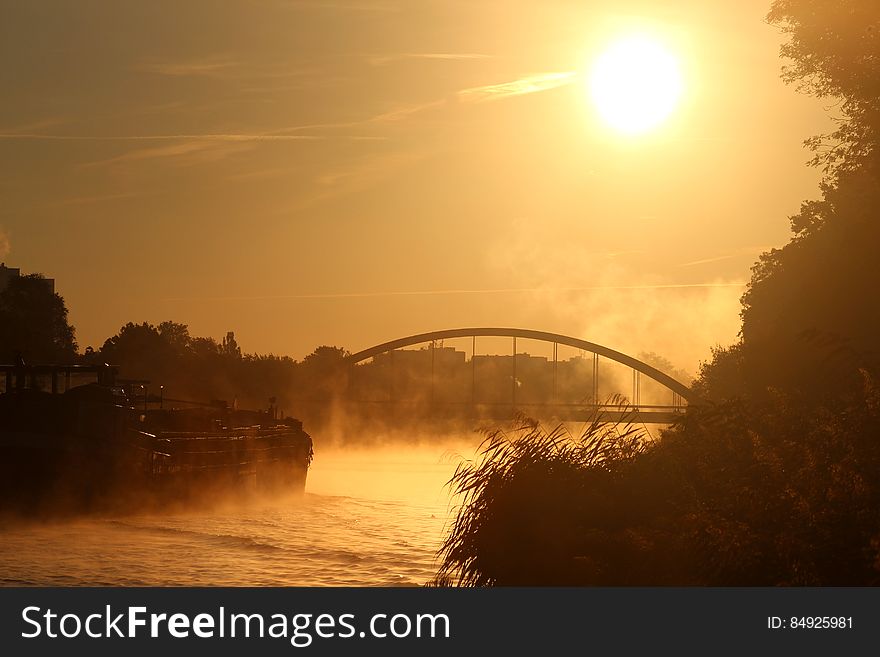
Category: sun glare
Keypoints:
(635, 84)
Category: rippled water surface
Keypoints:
(369, 518)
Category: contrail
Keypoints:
(413, 293)
(204, 137)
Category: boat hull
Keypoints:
(53, 473)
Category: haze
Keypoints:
(308, 173)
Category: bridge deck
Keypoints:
(505, 411)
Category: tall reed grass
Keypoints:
(757, 492)
(534, 504)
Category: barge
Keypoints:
(74, 438)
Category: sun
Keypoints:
(635, 84)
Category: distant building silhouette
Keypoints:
(7, 274)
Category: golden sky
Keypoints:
(346, 172)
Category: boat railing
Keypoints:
(239, 450)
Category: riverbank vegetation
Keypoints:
(775, 479)
(745, 492)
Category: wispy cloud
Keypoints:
(33, 126)
(379, 60)
(263, 174)
(459, 291)
(198, 147)
(88, 200)
(336, 5)
(747, 251)
(188, 148)
(617, 254)
(706, 261)
(268, 136)
(227, 67)
(364, 174)
(353, 177)
(405, 111)
(175, 106)
(207, 67)
(526, 85)
(392, 115)
(183, 152)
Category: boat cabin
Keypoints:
(56, 379)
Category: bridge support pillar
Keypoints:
(513, 396)
(391, 394)
(637, 389)
(473, 371)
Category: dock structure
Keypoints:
(57, 378)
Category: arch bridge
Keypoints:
(590, 406)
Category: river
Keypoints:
(370, 517)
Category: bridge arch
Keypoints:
(652, 372)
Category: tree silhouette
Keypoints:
(33, 323)
(321, 372)
(833, 49)
(176, 335)
(229, 347)
(199, 369)
(808, 313)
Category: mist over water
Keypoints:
(371, 516)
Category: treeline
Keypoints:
(775, 480)
(201, 369)
(34, 328)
